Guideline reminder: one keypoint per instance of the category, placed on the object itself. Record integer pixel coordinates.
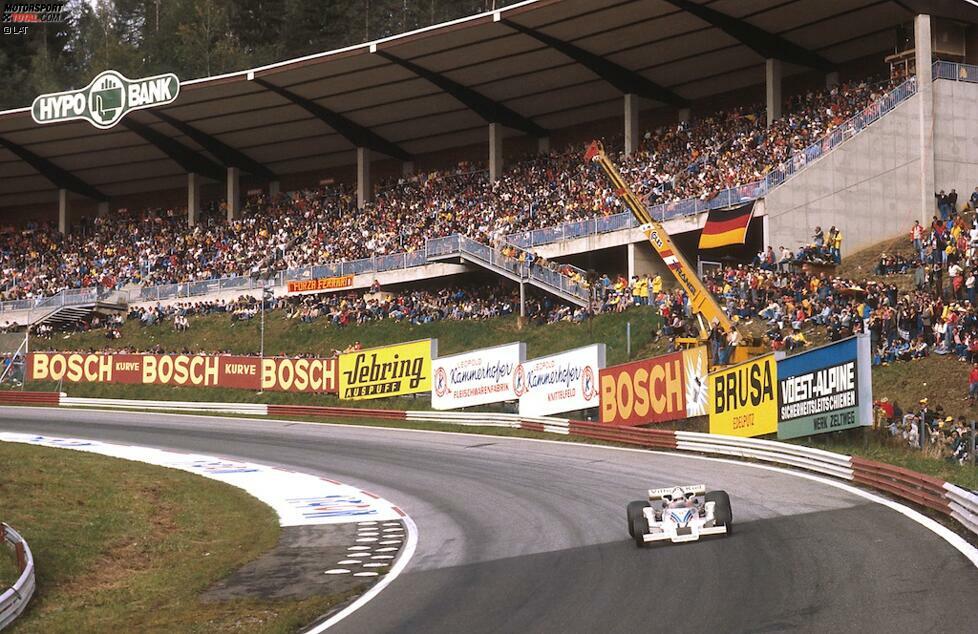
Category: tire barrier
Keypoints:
(923, 490)
(14, 600)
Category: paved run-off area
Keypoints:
(516, 535)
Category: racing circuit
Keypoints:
(518, 535)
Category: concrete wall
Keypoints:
(956, 137)
(868, 187)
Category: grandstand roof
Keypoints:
(535, 66)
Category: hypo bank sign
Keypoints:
(107, 99)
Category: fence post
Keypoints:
(628, 340)
(21, 557)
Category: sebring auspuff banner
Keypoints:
(404, 368)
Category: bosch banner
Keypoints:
(320, 284)
(562, 382)
(476, 378)
(665, 388)
(825, 389)
(247, 373)
(744, 398)
(404, 368)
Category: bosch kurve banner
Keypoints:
(664, 388)
(825, 389)
(563, 382)
(404, 368)
(196, 370)
(744, 398)
(476, 378)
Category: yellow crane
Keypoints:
(702, 303)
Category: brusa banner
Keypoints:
(665, 388)
(196, 370)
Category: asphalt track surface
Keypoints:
(521, 536)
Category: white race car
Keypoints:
(685, 514)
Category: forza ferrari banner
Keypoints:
(825, 389)
(563, 382)
(198, 370)
(744, 398)
(320, 284)
(404, 368)
(476, 378)
(656, 390)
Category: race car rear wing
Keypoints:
(695, 489)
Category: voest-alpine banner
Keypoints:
(562, 382)
(476, 378)
(826, 389)
(669, 387)
(743, 399)
(404, 368)
(194, 370)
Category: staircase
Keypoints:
(487, 257)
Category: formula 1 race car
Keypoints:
(685, 514)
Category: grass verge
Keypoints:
(8, 568)
(124, 546)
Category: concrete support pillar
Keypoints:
(832, 79)
(543, 145)
(103, 208)
(684, 115)
(495, 151)
(274, 187)
(773, 84)
(925, 95)
(641, 259)
(63, 211)
(631, 123)
(193, 199)
(407, 168)
(364, 186)
(234, 193)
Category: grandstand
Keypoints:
(457, 148)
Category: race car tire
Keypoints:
(721, 509)
(635, 509)
(639, 527)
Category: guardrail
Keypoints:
(928, 491)
(14, 600)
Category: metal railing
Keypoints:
(435, 247)
(956, 72)
(14, 600)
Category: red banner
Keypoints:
(320, 284)
(646, 391)
(246, 373)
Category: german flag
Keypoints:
(726, 227)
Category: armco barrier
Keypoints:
(30, 398)
(13, 601)
(934, 493)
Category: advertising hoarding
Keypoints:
(562, 382)
(403, 368)
(476, 378)
(743, 398)
(656, 390)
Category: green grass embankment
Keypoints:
(129, 547)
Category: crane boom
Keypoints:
(700, 299)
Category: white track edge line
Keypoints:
(395, 571)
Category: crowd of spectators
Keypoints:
(925, 428)
(154, 246)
